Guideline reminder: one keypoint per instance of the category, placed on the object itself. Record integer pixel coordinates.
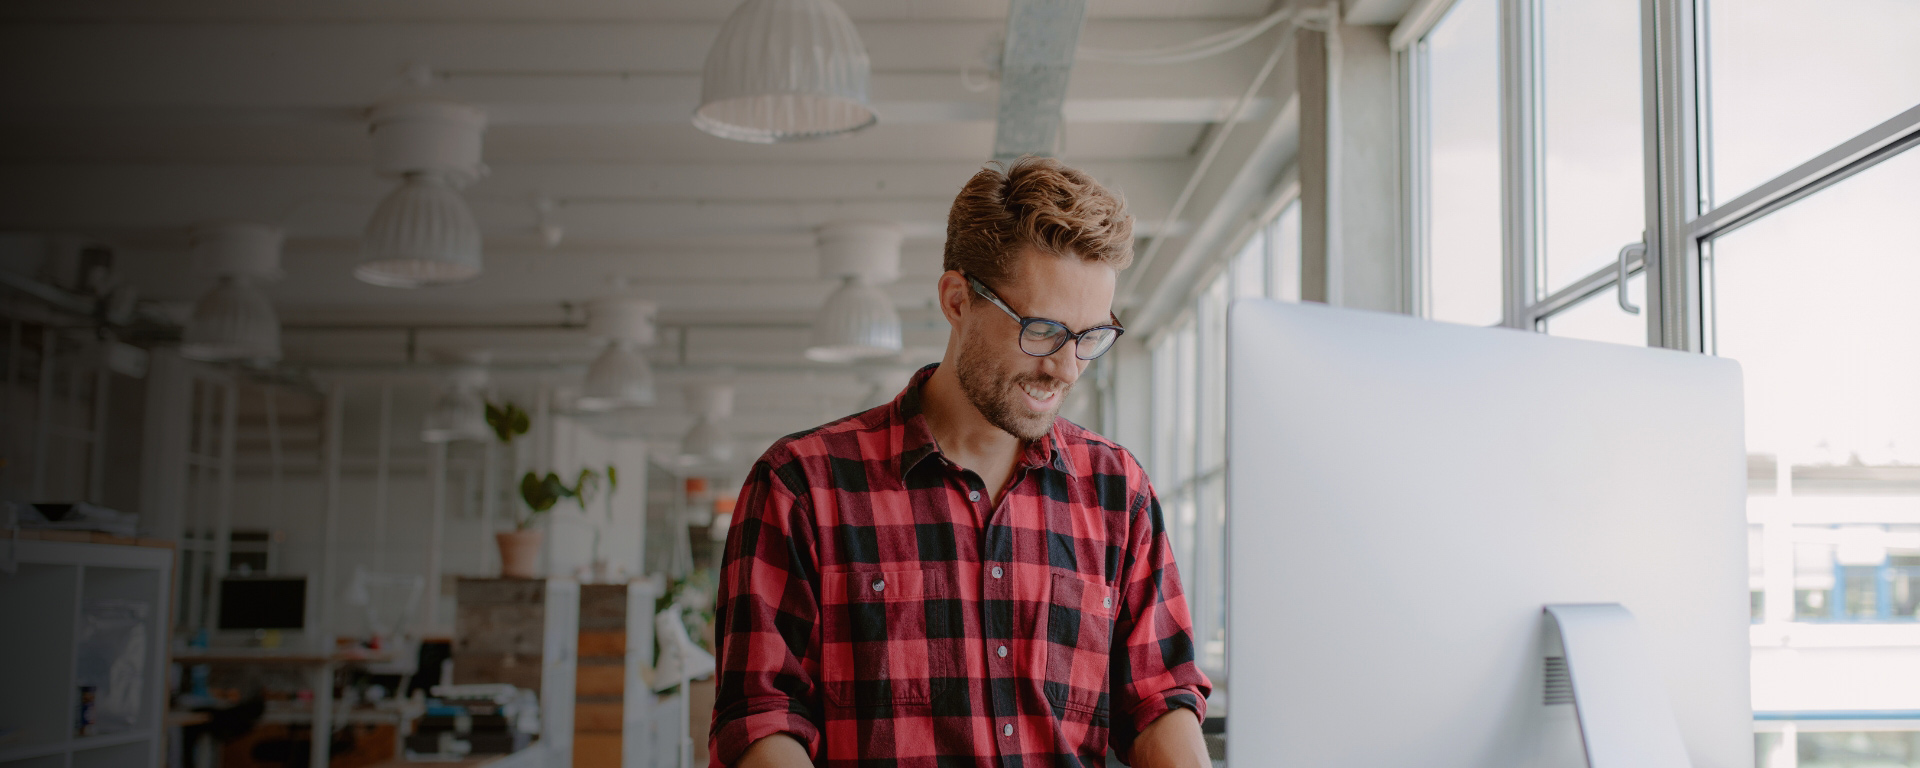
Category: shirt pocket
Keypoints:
(1079, 642)
(874, 643)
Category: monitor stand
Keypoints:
(1625, 718)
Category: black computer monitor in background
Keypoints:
(248, 603)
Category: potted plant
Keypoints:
(520, 548)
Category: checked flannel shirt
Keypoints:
(876, 605)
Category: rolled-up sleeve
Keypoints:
(767, 616)
(1153, 666)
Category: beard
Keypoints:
(995, 392)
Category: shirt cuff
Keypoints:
(760, 718)
(1152, 707)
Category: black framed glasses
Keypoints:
(1041, 337)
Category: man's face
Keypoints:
(1015, 391)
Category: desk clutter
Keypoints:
(462, 720)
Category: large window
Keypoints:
(1460, 143)
(1784, 239)
(1188, 458)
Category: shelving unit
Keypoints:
(43, 599)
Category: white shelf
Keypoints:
(53, 584)
(29, 751)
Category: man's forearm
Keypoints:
(778, 751)
(1171, 741)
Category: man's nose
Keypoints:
(1063, 364)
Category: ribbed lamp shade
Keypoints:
(706, 442)
(234, 322)
(422, 234)
(619, 378)
(858, 322)
(458, 414)
(785, 70)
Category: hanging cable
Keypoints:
(1192, 50)
(1215, 144)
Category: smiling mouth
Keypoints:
(1039, 395)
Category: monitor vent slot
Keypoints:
(1559, 686)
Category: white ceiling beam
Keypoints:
(621, 207)
(307, 67)
(518, 12)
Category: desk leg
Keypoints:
(320, 754)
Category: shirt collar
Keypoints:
(916, 438)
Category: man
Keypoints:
(959, 578)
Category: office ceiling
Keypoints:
(128, 121)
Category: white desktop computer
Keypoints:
(1406, 498)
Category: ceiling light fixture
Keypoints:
(423, 233)
(709, 441)
(620, 377)
(785, 70)
(859, 320)
(235, 322)
(460, 411)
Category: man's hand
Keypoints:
(781, 751)
(1172, 741)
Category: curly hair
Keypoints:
(1041, 202)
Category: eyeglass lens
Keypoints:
(1045, 337)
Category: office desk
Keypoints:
(534, 756)
(323, 664)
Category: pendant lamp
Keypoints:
(785, 70)
(620, 377)
(423, 233)
(235, 321)
(460, 411)
(709, 441)
(859, 320)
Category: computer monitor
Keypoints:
(1403, 498)
(250, 603)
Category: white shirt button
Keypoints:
(973, 495)
(879, 584)
(997, 573)
(1003, 651)
(1106, 602)
(1007, 730)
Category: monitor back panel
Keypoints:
(1404, 496)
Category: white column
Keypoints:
(381, 472)
(437, 470)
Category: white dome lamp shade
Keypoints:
(859, 320)
(423, 233)
(708, 442)
(460, 411)
(235, 321)
(620, 377)
(785, 70)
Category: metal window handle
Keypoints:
(1620, 279)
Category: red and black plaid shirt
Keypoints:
(876, 605)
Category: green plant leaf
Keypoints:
(540, 493)
(507, 421)
(613, 477)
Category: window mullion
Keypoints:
(1520, 151)
(1670, 70)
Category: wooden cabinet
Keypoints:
(524, 632)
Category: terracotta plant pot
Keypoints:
(519, 553)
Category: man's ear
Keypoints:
(955, 296)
